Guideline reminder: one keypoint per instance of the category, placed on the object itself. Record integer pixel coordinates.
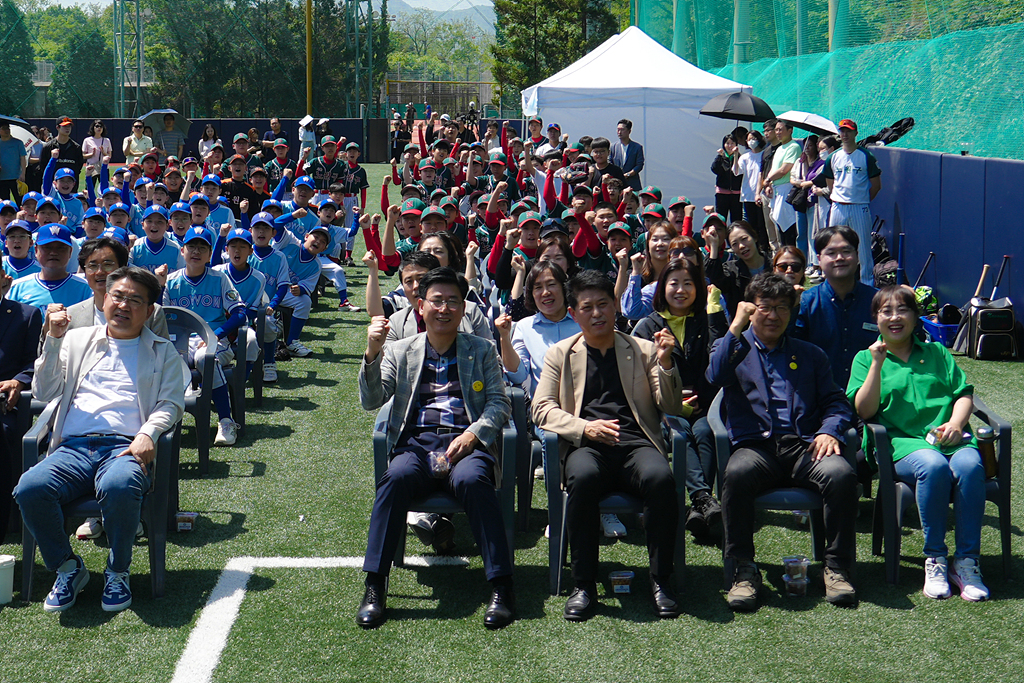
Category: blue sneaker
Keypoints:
(116, 593)
(71, 579)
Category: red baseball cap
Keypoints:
(848, 123)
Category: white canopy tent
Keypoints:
(632, 76)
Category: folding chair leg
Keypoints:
(400, 551)
(817, 519)
(28, 562)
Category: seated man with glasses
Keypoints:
(448, 408)
(786, 419)
(119, 387)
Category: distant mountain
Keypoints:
(479, 12)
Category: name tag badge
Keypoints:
(478, 386)
(870, 327)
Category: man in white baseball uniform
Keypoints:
(854, 179)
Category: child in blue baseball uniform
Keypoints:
(53, 284)
(250, 285)
(274, 267)
(210, 295)
(303, 190)
(180, 218)
(329, 259)
(199, 206)
(19, 262)
(63, 180)
(156, 249)
(303, 273)
(220, 213)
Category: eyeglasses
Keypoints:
(105, 266)
(836, 253)
(137, 125)
(453, 304)
(685, 252)
(898, 312)
(133, 302)
(787, 267)
(765, 309)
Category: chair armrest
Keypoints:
(878, 438)
(1003, 432)
(723, 447)
(851, 446)
(380, 456)
(32, 442)
(509, 444)
(165, 465)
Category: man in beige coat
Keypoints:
(118, 388)
(603, 393)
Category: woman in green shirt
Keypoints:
(922, 398)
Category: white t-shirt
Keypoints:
(750, 167)
(107, 401)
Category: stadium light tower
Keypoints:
(128, 56)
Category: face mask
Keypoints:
(753, 145)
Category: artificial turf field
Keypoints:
(299, 485)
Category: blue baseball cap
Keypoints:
(19, 225)
(197, 197)
(115, 233)
(8, 204)
(179, 207)
(155, 210)
(211, 178)
(262, 218)
(327, 202)
(63, 173)
(305, 180)
(141, 182)
(197, 232)
(44, 200)
(95, 212)
(271, 203)
(119, 206)
(321, 228)
(53, 232)
(31, 197)
(240, 234)
(160, 186)
(111, 190)
(121, 170)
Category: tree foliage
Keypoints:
(83, 77)
(432, 50)
(16, 76)
(537, 38)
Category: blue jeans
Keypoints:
(81, 466)
(935, 477)
(701, 463)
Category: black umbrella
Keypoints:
(15, 121)
(738, 106)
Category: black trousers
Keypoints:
(10, 188)
(753, 214)
(595, 471)
(728, 207)
(758, 466)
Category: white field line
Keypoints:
(209, 637)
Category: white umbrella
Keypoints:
(26, 137)
(812, 122)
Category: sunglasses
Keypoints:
(685, 252)
(787, 267)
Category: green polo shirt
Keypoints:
(915, 396)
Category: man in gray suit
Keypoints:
(449, 406)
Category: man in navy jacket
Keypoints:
(786, 419)
(19, 336)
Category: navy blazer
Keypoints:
(816, 404)
(20, 326)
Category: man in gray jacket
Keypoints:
(449, 406)
(119, 388)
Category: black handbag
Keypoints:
(799, 198)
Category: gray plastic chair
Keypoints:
(782, 498)
(181, 325)
(159, 506)
(617, 503)
(237, 380)
(896, 497)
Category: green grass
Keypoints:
(299, 483)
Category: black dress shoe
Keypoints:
(371, 611)
(665, 604)
(581, 605)
(502, 609)
(444, 535)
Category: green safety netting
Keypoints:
(956, 66)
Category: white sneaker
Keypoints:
(612, 527)
(299, 349)
(90, 528)
(936, 583)
(226, 432)
(966, 576)
(270, 372)
(538, 472)
(347, 307)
